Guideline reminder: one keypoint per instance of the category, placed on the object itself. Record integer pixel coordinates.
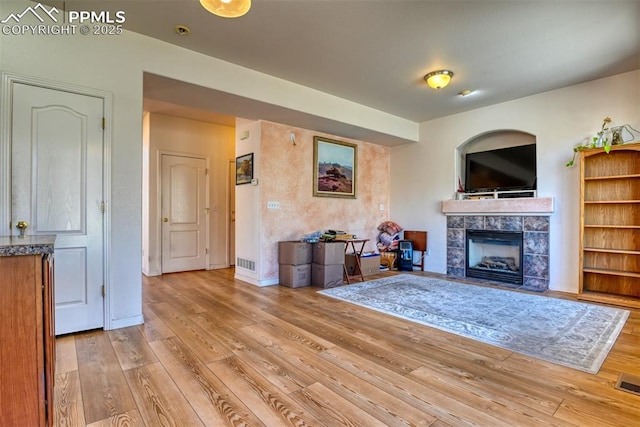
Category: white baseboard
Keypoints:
(217, 266)
(125, 322)
(253, 281)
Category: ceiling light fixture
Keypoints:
(227, 8)
(438, 79)
(465, 92)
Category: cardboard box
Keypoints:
(370, 264)
(327, 275)
(328, 253)
(294, 253)
(295, 276)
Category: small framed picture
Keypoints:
(334, 168)
(244, 169)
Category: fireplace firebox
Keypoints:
(494, 255)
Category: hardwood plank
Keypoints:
(214, 403)
(362, 394)
(153, 328)
(66, 358)
(412, 389)
(281, 374)
(333, 409)
(105, 392)
(128, 419)
(206, 346)
(271, 406)
(67, 400)
(131, 348)
(490, 402)
(158, 398)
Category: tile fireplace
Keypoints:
(526, 250)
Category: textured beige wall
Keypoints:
(286, 176)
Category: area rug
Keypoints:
(573, 334)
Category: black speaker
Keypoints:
(405, 255)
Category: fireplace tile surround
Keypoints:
(534, 224)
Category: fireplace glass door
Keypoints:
(494, 255)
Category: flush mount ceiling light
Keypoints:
(227, 8)
(438, 79)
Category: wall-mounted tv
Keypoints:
(504, 169)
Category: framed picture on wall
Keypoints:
(334, 168)
(244, 169)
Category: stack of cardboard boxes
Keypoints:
(327, 269)
(295, 264)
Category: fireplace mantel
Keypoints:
(521, 206)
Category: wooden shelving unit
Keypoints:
(610, 225)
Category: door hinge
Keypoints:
(206, 250)
(104, 123)
(206, 171)
(104, 291)
(102, 207)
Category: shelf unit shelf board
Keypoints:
(612, 251)
(610, 299)
(610, 202)
(611, 226)
(602, 178)
(619, 273)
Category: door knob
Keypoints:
(22, 227)
(165, 219)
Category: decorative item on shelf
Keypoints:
(606, 137)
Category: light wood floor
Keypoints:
(215, 351)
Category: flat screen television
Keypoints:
(504, 169)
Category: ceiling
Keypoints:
(376, 52)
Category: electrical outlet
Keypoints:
(273, 205)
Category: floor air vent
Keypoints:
(247, 264)
(629, 383)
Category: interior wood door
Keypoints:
(57, 184)
(184, 214)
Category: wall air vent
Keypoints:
(246, 264)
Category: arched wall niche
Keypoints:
(491, 140)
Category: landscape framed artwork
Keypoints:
(244, 169)
(334, 168)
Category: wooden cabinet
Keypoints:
(27, 350)
(610, 225)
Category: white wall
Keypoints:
(116, 63)
(248, 219)
(424, 174)
(215, 143)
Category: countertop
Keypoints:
(27, 245)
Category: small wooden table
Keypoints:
(357, 252)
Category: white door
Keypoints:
(184, 214)
(57, 182)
